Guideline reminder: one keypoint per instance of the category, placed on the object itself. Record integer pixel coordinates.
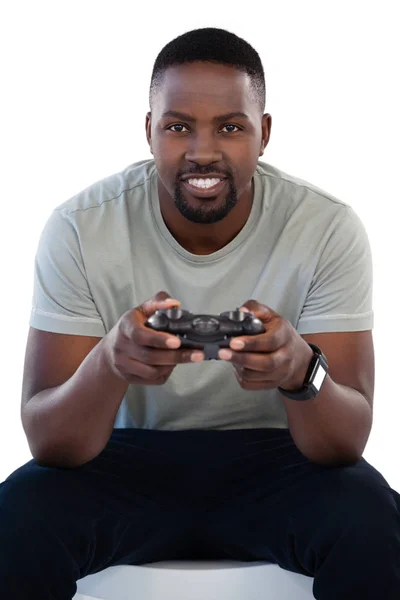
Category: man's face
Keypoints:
(198, 140)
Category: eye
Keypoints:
(232, 125)
(181, 125)
(176, 125)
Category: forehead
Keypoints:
(204, 87)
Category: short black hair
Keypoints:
(211, 45)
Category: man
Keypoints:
(144, 451)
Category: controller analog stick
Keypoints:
(235, 315)
(253, 325)
(158, 320)
(174, 313)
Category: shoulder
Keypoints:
(112, 192)
(291, 191)
(309, 212)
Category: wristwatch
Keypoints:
(314, 378)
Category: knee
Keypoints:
(364, 501)
(31, 498)
(36, 559)
(22, 500)
(29, 487)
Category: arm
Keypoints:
(334, 427)
(76, 374)
(74, 385)
(337, 316)
(70, 397)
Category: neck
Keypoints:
(199, 238)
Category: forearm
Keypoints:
(70, 424)
(333, 428)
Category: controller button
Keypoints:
(205, 324)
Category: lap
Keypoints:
(127, 506)
(236, 494)
(281, 507)
(128, 476)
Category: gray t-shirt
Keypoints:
(302, 252)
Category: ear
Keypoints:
(266, 132)
(148, 130)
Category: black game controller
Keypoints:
(208, 333)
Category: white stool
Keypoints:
(196, 580)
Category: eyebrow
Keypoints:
(186, 117)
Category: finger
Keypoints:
(131, 368)
(159, 301)
(135, 379)
(148, 337)
(136, 330)
(261, 311)
(263, 362)
(250, 375)
(145, 336)
(274, 337)
(255, 385)
(151, 356)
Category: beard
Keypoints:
(205, 214)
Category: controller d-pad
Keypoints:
(205, 325)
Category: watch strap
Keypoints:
(309, 390)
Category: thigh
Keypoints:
(274, 504)
(123, 507)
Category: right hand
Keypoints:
(141, 355)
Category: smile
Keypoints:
(205, 191)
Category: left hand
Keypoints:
(277, 358)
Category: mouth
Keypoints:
(205, 192)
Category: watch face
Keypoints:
(319, 377)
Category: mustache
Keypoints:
(201, 173)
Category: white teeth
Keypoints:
(203, 183)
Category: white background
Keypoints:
(75, 78)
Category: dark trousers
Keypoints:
(246, 495)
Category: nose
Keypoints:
(203, 149)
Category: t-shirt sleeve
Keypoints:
(62, 301)
(340, 294)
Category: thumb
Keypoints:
(261, 311)
(160, 300)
